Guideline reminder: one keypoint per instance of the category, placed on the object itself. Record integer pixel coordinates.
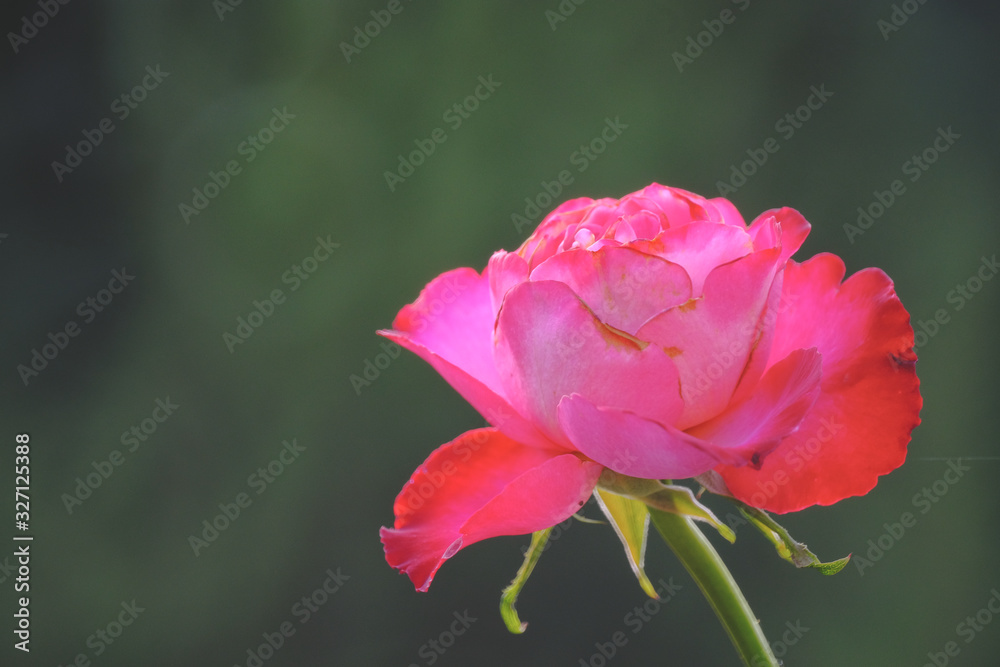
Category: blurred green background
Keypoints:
(223, 71)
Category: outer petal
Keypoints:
(549, 345)
(450, 326)
(869, 399)
(712, 336)
(623, 287)
(481, 485)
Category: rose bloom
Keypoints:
(661, 337)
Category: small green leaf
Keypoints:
(794, 552)
(630, 519)
(509, 597)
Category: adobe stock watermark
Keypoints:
(581, 158)
(563, 11)
(372, 370)
(121, 107)
(915, 167)
(898, 17)
(223, 7)
(250, 147)
(133, 438)
(635, 620)
(432, 650)
(302, 610)
(786, 126)
(381, 19)
(31, 25)
(790, 637)
(88, 309)
(454, 116)
(108, 634)
(964, 292)
(259, 481)
(924, 500)
(967, 629)
(696, 44)
(294, 276)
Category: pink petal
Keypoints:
(793, 231)
(774, 410)
(506, 269)
(679, 207)
(623, 287)
(549, 345)
(481, 485)
(869, 399)
(711, 337)
(638, 447)
(699, 247)
(729, 213)
(450, 326)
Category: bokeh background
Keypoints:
(563, 69)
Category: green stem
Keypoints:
(716, 583)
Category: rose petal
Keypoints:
(549, 345)
(712, 336)
(506, 269)
(450, 326)
(774, 410)
(793, 231)
(623, 287)
(679, 207)
(699, 247)
(638, 447)
(869, 399)
(481, 485)
(729, 213)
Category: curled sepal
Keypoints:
(669, 498)
(630, 519)
(509, 596)
(794, 552)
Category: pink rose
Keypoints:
(661, 337)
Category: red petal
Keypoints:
(869, 398)
(481, 485)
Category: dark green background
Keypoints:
(323, 175)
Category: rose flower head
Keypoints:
(660, 337)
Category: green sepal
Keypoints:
(681, 500)
(630, 519)
(669, 498)
(794, 552)
(509, 596)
